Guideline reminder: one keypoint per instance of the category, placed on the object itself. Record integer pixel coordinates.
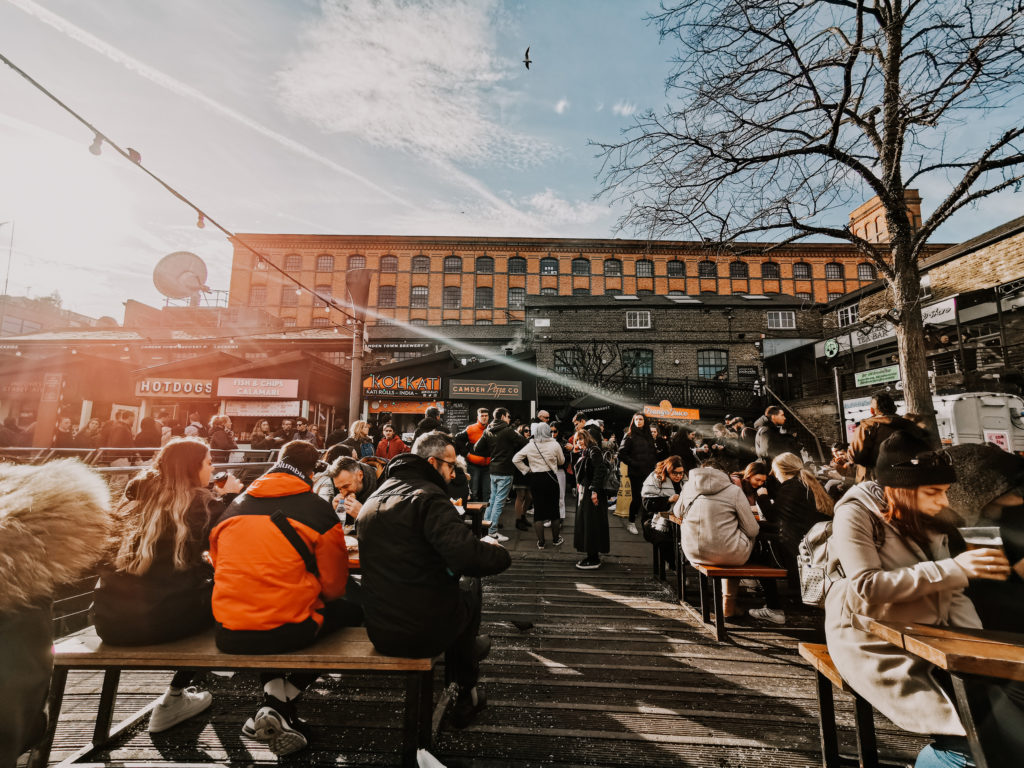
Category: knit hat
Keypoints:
(906, 461)
(985, 473)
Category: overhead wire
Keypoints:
(203, 217)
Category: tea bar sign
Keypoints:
(408, 387)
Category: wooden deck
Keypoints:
(611, 674)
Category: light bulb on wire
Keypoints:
(97, 145)
(201, 221)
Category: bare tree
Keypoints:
(783, 113)
(600, 364)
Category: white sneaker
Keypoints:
(749, 583)
(632, 529)
(498, 537)
(768, 614)
(171, 710)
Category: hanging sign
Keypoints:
(284, 389)
(486, 390)
(405, 387)
(664, 410)
(151, 387)
(877, 376)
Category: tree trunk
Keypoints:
(910, 340)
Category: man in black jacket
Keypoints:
(413, 548)
(500, 443)
(772, 437)
(431, 421)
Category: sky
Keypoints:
(312, 116)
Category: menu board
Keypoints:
(456, 416)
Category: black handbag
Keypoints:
(654, 525)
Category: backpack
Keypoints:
(612, 483)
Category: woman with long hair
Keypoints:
(359, 439)
(521, 487)
(638, 452)
(155, 585)
(890, 556)
(796, 504)
(262, 437)
(538, 461)
(660, 491)
(590, 534)
(753, 481)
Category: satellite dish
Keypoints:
(181, 275)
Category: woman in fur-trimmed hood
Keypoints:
(54, 523)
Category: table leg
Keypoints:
(680, 562)
(425, 737)
(656, 566)
(716, 590)
(412, 719)
(827, 722)
(864, 720)
(40, 754)
(105, 713)
(705, 599)
(967, 717)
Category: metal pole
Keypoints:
(839, 403)
(355, 393)
(7, 275)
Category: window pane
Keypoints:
(386, 296)
(833, 271)
(451, 297)
(781, 319)
(485, 265)
(324, 263)
(389, 264)
(321, 322)
(516, 297)
(866, 272)
(357, 262)
(645, 268)
(580, 266)
(420, 264)
(770, 270)
(517, 266)
(449, 321)
(418, 321)
(613, 268)
(834, 296)
(549, 266)
(257, 295)
(289, 322)
(289, 296)
(711, 363)
(738, 270)
(849, 315)
(804, 295)
(484, 298)
(580, 291)
(566, 360)
(452, 264)
(293, 263)
(707, 269)
(638, 319)
(638, 362)
(548, 291)
(418, 296)
(801, 271)
(323, 290)
(676, 269)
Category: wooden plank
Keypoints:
(740, 571)
(818, 656)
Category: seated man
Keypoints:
(280, 566)
(413, 548)
(346, 484)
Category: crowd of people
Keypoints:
(267, 565)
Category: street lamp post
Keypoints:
(357, 285)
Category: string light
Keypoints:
(97, 145)
(201, 221)
(134, 155)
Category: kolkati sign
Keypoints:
(284, 389)
(482, 388)
(174, 388)
(406, 387)
(664, 410)
(877, 376)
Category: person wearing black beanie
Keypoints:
(892, 562)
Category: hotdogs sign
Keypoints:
(387, 385)
(153, 387)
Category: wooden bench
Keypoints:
(342, 651)
(709, 579)
(827, 677)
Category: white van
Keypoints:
(968, 417)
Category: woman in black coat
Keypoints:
(639, 454)
(591, 531)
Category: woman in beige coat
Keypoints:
(894, 564)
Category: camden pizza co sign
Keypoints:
(406, 387)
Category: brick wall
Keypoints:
(995, 264)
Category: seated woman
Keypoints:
(894, 564)
(753, 482)
(155, 585)
(718, 527)
(659, 493)
(797, 503)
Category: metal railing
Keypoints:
(704, 394)
(100, 457)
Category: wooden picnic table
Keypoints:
(960, 652)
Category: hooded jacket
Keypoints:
(891, 578)
(500, 443)
(261, 581)
(869, 437)
(771, 440)
(413, 546)
(54, 521)
(718, 527)
(388, 449)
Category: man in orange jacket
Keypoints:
(478, 466)
(281, 568)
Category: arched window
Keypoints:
(580, 291)
(516, 297)
(419, 296)
(293, 263)
(738, 270)
(418, 321)
(451, 297)
(386, 296)
(517, 265)
(548, 291)
(357, 262)
(388, 263)
(549, 266)
(833, 271)
(420, 264)
(770, 271)
(321, 322)
(801, 271)
(325, 263)
(707, 269)
(484, 298)
(257, 295)
(645, 268)
(322, 290)
(804, 296)
(484, 265)
(290, 296)
(612, 268)
(676, 268)
(581, 266)
(866, 272)
(452, 264)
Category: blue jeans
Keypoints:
(937, 756)
(500, 486)
(479, 482)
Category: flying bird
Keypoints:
(527, 61)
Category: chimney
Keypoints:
(868, 220)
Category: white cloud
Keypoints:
(624, 108)
(552, 210)
(421, 77)
(562, 106)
